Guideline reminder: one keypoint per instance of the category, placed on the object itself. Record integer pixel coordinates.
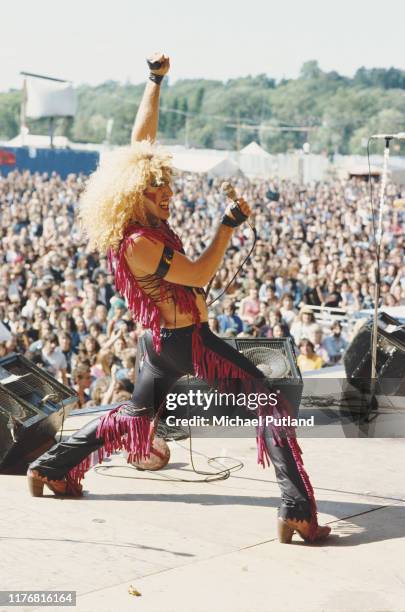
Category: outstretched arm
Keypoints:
(145, 255)
(147, 117)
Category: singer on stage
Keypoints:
(124, 211)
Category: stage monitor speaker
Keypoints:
(32, 407)
(390, 357)
(274, 357)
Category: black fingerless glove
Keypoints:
(238, 217)
(156, 78)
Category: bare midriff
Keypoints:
(169, 311)
(171, 317)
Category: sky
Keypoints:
(90, 41)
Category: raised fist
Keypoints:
(158, 63)
(243, 205)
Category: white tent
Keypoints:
(204, 161)
(253, 148)
(254, 161)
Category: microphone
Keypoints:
(229, 190)
(398, 136)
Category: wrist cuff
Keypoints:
(156, 78)
(229, 222)
(238, 217)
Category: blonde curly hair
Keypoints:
(114, 192)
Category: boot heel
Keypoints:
(284, 532)
(35, 486)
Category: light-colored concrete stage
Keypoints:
(199, 547)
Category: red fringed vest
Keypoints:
(143, 308)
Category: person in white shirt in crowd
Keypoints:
(30, 305)
(54, 359)
(287, 309)
(304, 326)
(319, 346)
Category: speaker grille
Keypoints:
(11, 406)
(274, 357)
(271, 362)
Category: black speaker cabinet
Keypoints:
(32, 407)
(390, 357)
(274, 357)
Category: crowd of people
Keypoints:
(315, 248)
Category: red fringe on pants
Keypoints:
(133, 433)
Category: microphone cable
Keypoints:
(222, 474)
(237, 271)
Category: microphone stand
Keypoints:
(372, 405)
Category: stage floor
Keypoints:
(209, 546)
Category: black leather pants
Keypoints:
(158, 374)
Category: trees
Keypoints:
(391, 78)
(342, 111)
(10, 104)
(387, 120)
(310, 70)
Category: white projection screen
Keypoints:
(46, 98)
